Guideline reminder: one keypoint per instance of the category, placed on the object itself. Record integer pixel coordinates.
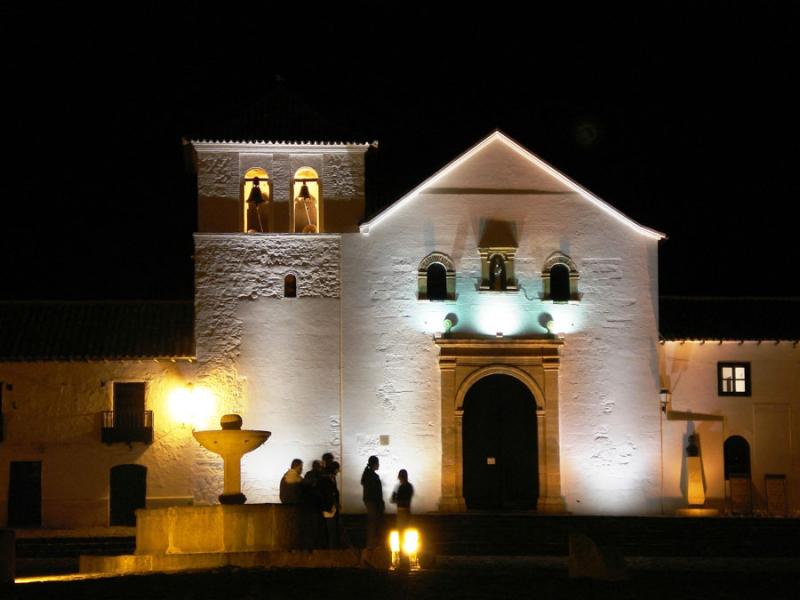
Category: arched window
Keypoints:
(307, 201)
(290, 286)
(559, 283)
(560, 277)
(257, 201)
(497, 273)
(437, 282)
(436, 278)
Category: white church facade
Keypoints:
(495, 332)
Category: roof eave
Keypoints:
(527, 154)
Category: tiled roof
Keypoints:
(280, 116)
(703, 318)
(33, 331)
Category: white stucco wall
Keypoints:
(52, 414)
(609, 376)
(272, 359)
(768, 419)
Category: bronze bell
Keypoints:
(304, 193)
(255, 193)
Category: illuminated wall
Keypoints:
(769, 419)
(52, 415)
(609, 375)
(274, 360)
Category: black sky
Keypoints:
(683, 116)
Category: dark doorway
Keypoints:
(737, 457)
(501, 467)
(128, 492)
(25, 494)
(129, 405)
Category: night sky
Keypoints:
(684, 117)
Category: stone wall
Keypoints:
(221, 167)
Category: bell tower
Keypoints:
(279, 167)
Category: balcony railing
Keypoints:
(127, 426)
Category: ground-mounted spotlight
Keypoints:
(405, 555)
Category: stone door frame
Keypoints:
(534, 362)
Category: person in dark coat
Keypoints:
(328, 503)
(373, 500)
(402, 498)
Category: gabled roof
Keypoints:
(729, 319)
(526, 154)
(39, 331)
(279, 117)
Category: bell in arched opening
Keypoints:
(257, 201)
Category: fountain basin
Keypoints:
(220, 528)
(231, 442)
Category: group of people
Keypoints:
(318, 489)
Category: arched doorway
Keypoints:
(500, 446)
(737, 457)
(128, 493)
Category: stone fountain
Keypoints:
(231, 443)
(231, 533)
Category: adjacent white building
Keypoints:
(495, 332)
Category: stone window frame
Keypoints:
(747, 378)
(559, 258)
(320, 199)
(507, 254)
(270, 203)
(450, 275)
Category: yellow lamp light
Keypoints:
(193, 405)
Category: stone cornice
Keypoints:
(268, 147)
(543, 349)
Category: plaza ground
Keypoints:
(480, 555)
(464, 578)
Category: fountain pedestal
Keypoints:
(231, 443)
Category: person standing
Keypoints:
(291, 488)
(328, 495)
(373, 500)
(402, 498)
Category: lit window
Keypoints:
(257, 205)
(307, 202)
(733, 379)
(436, 278)
(560, 278)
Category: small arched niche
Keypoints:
(306, 201)
(257, 201)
